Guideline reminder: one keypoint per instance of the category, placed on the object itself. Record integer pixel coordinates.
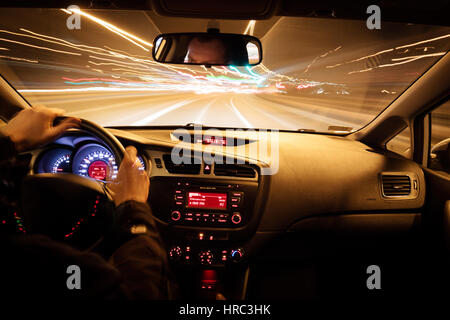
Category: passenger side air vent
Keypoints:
(395, 185)
(187, 167)
(234, 170)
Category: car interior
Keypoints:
(302, 219)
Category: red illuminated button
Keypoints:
(236, 218)
(176, 215)
(205, 257)
(235, 199)
(175, 253)
(207, 169)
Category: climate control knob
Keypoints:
(236, 255)
(205, 257)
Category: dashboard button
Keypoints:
(235, 200)
(175, 215)
(236, 218)
(175, 253)
(236, 255)
(205, 257)
(207, 169)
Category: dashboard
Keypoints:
(220, 217)
(81, 155)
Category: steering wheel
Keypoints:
(68, 207)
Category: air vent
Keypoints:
(186, 167)
(396, 185)
(234, 170)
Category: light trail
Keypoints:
(19, 59)
(424, 41)
(39, 47)
(160, 113)
(250, 27)
(420, 56)
(240, 116)
(130, 37)
(385, 51)
(321, 56)
(399, 63)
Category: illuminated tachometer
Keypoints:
(54, 160)
(62, 164)
(96, 162)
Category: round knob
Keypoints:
(205, 257)
(175, 253)
(236, 218)
(236, 255)
(175, 215)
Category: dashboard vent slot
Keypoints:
(396, 185)
(234, 170)
(186, 167)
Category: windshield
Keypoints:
(317, 74)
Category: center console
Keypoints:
(203, 203)
(205, 223)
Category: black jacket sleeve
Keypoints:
(138, 269)
(142, 261)
(7, 148)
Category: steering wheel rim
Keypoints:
(49, 201)
(110, 140)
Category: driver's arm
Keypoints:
(7, 147)
(33, 127)
(140, 257)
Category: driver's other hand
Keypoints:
(33, 127)
(131, 183)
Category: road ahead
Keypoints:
(216, 110)
(315, 73)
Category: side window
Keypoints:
(401, 143)
(439, 158)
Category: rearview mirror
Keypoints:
(210, 49)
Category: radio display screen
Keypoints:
(207, 200)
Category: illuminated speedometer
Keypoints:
(96, 162)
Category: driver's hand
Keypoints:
(33, 127)
(131, 183)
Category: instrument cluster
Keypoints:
(90, 159)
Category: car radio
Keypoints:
(199, 206)
(202, 203)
